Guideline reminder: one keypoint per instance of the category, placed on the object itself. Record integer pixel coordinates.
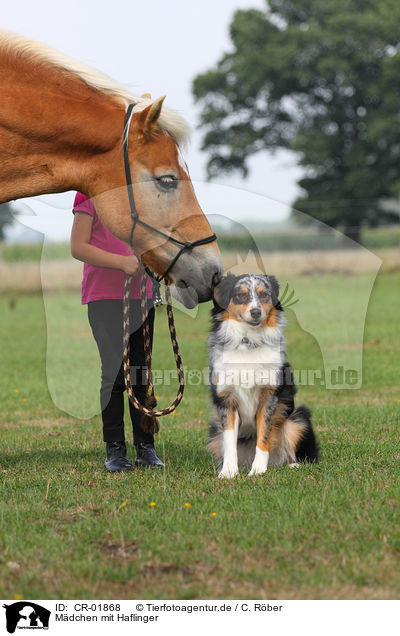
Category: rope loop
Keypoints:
(147, 349)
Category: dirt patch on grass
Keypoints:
(172, 585)
(242, 575)
(150, 570)
(119, 550)
(73, 514)
(49, 422)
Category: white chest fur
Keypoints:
(243, 360)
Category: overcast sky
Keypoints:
(156, 47)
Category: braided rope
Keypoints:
(147, 349)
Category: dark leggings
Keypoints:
(105, 319)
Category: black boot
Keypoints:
(117, 460)
(146, 456)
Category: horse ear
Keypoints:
(223, 291)
(148, 116)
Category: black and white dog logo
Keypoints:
(26, 615)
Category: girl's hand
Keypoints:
(130, 264)
(82, 249)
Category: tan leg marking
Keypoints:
(263, 441)
(265, 430)
(264, 427)
(231, 418)
(269, 435)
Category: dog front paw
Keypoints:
(228, 471)
(260, 463)
(257, 470)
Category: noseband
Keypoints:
(185, 246)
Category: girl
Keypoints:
(107, 260)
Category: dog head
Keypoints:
(250, 298)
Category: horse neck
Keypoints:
(55, 131)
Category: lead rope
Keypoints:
(149, 423)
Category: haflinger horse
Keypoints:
(62, 128)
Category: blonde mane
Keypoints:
(170, 121)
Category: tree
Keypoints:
(6, 218)
(322, 79)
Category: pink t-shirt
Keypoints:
(101, 283)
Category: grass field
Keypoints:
(70, 530)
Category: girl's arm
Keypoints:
(83, 251)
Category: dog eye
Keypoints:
(242, 298)
(167, 182)
(263, 296)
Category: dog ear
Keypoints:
(223, 291)
(273, 284)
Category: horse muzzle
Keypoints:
(195, 275)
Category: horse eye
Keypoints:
(167, 182)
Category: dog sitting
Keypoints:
(251, 382)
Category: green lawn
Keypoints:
(70, 530)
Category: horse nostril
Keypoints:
(216, 279)
(255, 313)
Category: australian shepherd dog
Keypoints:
(251, 381)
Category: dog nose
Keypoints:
(255, 313)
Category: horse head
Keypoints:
(165, 201)
(62, 130)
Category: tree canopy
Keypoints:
(322, 79)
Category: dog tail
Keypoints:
(307, 447)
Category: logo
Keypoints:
(26, 615)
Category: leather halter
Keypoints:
(185, 246)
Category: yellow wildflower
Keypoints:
(152, 504)
(187, 504)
